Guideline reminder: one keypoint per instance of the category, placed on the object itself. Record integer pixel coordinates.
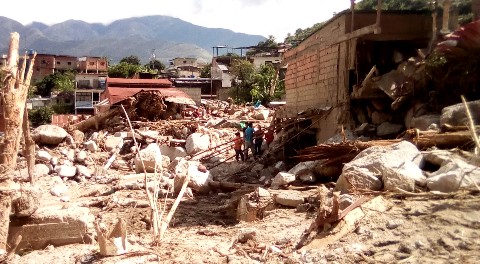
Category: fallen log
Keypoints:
(422, 139)
(97, 120)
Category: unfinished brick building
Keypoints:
(322, 69)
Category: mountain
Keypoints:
(170, 38)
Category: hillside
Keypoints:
(170, 37)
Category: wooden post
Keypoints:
(446, 17)
(14, 95)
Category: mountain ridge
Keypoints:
(170, 37)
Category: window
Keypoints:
(69, 63)
(91, 63)
(58, 62)
(83, 97)
(67, 101)
(96, 97)
(44, 62)
(102, 63)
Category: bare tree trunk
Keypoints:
(15, 91)
(5, 206)
(29, 149)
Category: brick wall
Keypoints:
(315, 73)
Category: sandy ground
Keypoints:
(423, 229)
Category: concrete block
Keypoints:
(52, 226)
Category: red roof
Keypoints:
(148, 82)
(118, 94)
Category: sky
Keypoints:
(256, 17)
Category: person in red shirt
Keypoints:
(269, 135)
(237, 146)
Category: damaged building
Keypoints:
(325, 71)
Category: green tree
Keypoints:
(41, 115)
(394, 5)
(463, 7)
(266, 84)
(301, 34)
(56, 82)
(206, 71)
(264, 46)
(132, 59)
(243, 73)
(123, 70)
(155, 65)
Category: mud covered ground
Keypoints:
(419, 229)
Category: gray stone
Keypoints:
(66, 170)
(81, 156)
(54, 161)
(282, 179)
(405, 176)
(59, 189)
(152, 159)
(456, 115)
(173, 152)
(454, 174)
(380, 117)
(345, 200)
(197, 142)
(43, 155)
(290, 199)
(41, 170)
(388, 129)
(112, 142)
(49, 134)
(198, 180)
(71, 155)
(83, 171)
(91, 146)
(424, 122)
(366, 169)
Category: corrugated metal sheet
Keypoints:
(161, 82)
(118, 94)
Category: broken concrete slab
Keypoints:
(282, 179)
(289, 198)
(52, 225)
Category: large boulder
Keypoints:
(199, 176)
(370, 168)
(456, 115)
(304, 171)
(173, 152)
(49, 134)
(197, 142)
(152, 158)
(454, 173)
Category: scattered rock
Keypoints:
(197, 142)
(49, 134)
(282, 179)
(41, 170)
(152, 159)
(43, 155)
(290, 199)
(112, 142)
(91, 146)
(66, 170)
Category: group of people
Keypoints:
(252, 140)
